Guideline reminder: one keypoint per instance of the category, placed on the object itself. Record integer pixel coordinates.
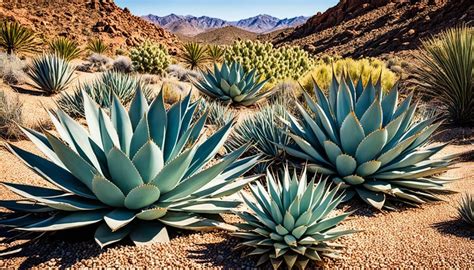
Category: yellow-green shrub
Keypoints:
(368, 67)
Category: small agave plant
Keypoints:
(466, 209)
(132, 174)
(291, 221)
(369, 144)
(231, 84)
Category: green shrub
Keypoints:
(291, 222)
(50, 73)
(98, 46)
(446, 74)
(123, 86)
(150, 58)
(369, 144)
(65, 48)
(194, 55)
(273, 63)
(365, 68)
(15, 38)
(131, 174)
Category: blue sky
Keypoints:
(228, 9)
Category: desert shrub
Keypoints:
(102, 90)
(11, 115)
(446, 74)
(15, 38)
(466, 209)
(291, 222)
(96, 63)
(65, 48)
(215, 53)
(183, 74)
(128, 174)
(98, 46)
(218, 115)
(50, 73)
(368, 143)
(12, 69)
(174, 91)
(194, 55)
(363, 68)
(122, 64)
(150, 58)
(273, 63)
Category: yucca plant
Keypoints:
(368, 144)
(50, 73)
(194, 55)
(215, 53)
(65, 48)
(98, 46)
(446, 74)
(466, 209)
(15, 38)
(132, 174)
(231, 84)
(291, 222)
(266, 132)
(123, 86)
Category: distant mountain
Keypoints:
(191, 25)
(225, 35)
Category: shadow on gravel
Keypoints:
(455, 227)
(221, 254)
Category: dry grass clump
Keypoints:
(11, 115)
(12, 69)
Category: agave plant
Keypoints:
(130, 174)
(215, 53)
(50, 73)
(266, 133)
(466, 209)
(98, 46)
(446, 74)
(195, 55)
(123, 86)
(65, 48)
(368, 144)
(291, 222)
(15, 38)
(231, 84)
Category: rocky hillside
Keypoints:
(225, 36)
(377, 27)
(82, 19)
(191, 25)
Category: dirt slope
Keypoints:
(83, 19)
(376, 27)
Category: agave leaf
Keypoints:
(173, 127)
(138, 108)
(66, 221)
(152, 213)
(345, 164)
(158, 120)
(368, 168)
(376, 199)
(25, 206)
(351, 125)
(372, 118)
(148, 161)
(389, 103)
(332, 151)
(140, 137)
(104, 236)
(149, 232)
(107, 192)
(371, 145)
(122, 124)
(142, 196)
(119, 218)
(124, 173)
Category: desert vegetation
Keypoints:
(287, 154)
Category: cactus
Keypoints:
(150, 58)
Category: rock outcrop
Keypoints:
(81, 20)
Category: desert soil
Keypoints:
(430, 236)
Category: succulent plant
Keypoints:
(15, 38)
(368, 144)
(291, 222)
(231, 84)
(150, 58)
(97, 46)
(274, 63)
(65, 48)
(195, 55)
(466, 209)
(265, 131)
(218, 114)
(123, 86)
(216, 53)
(50, 73)
(132, 174)
(446, 74)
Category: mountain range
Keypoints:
(191, 25)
